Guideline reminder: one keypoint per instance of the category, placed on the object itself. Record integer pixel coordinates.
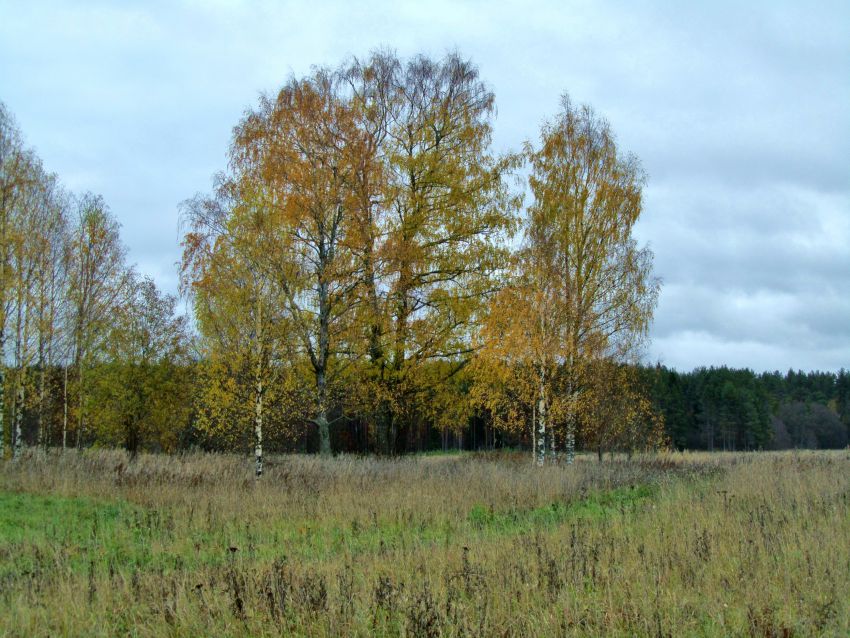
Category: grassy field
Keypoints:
(461, 545)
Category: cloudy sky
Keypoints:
(739, 111)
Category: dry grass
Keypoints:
(478, 545)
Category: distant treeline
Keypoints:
(728, 409)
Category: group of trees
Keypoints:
(360, 251)
(368, 274)
(82, 336)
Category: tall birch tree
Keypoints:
(50, 293)
(31, 207)
(301, 147)
(435, 197)
(97, 279)
(587, 199)
(33, 237)
(583, 290)
(245, 340)
(15, 177)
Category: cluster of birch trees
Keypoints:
(365, 258)
(366, 271)
(77, 325)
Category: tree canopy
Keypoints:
(369, 274)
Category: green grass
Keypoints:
(35, 518)
(119, 536)
(616, 502)
(47, 533)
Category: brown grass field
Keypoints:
(738, 544)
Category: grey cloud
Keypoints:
(688, 349)
(740, 113)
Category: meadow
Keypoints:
(475, 544)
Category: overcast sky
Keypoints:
(740, 114)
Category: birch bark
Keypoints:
(541, 420)
(258, 388)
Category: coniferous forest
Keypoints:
(367, 274)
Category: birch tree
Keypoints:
(15, 162)
(33, 238)
(97, 279)
(519, 370)
(24, 260)
(583, 291)
(436, 198)
(587, 199)
(301, 146)
(27, 208)
(247, 372)
(384, 212)
(50, 252)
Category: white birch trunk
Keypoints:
(258, 389)
(41, 397)
(19, 419)
(65, 410)
(541, 421)
(21, 356)
(534, 432)
(46, 359)
(570, 438)
(80, 415)
(258, 429)
(79, 341)
(42, 389)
